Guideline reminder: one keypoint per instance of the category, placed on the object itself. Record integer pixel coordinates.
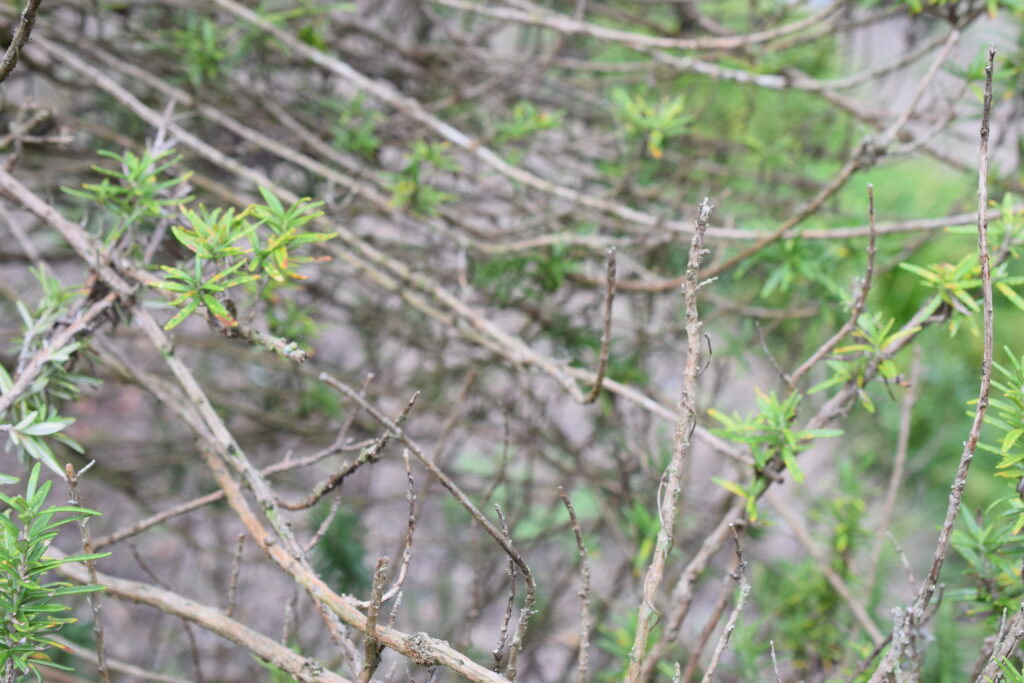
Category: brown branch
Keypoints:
(19, 39)
(686, 422)
(730, 625)
(236, 569)
(208, 618)
(582, 669)
(368, 455)
(606, 330)
(916, 611)
(90, 566)
(372, 647)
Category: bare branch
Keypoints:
(19, 39)
(672, 478)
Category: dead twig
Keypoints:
(498, 653)
(686, 422)
(606, 329)
(372, 647)
(90, 566)
(19, 39)
(582, 668)
(236, 568)
(914, 614)
(741, 578)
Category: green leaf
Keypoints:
(731, 487)
(185, 312)
(1010, 439)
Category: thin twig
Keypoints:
(368, 455)
(775, 662)
(768, 352)
(90, 565)
(903, 559)
(916, 612)
(185, 622)
(410, 530)
(710, 624)
(372, 647)
(498, 653)
(606, 329)
(236, 568)
(321, 530)
(730, 625)
(500, 538)
(582, 668)
(833, 577)
(19, 39)
(681, 440)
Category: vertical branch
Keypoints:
(498, 653)
(730, 625)
(372, 647)
(915, 613)
(710, 624)
(584, 657)
(606, 330)
(90, 566)
(236, 569)
(19, 39)
(686, 422)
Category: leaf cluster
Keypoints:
(29, 604)
(409, 187)
(134, 191)
(769, 435)
(34, 417)
(874, 340)
(654, 121)
(229, 251)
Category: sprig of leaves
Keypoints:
(139, 189)
(274, 256)
(409, 187)
(874, 340)
(769, 435)
(34, 417)
(196, 289)
(29, 604)
(653, 121)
